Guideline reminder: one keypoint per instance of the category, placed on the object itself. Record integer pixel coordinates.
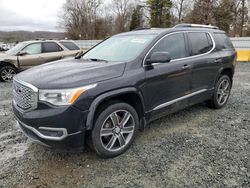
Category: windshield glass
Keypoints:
(120, 48)
(16, 49)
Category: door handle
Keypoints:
(219, 60)
(186, 66)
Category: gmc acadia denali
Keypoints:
(105, 95)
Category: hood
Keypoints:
(6, 57)
(70, 73)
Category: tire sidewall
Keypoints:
(95, 134)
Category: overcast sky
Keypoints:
(32, 15)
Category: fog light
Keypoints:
(53, 132)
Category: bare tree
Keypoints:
(180, 6)
(122, 10)
(243, 15)
(79, 18)
(240, 12)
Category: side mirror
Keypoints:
(159, 57)
(22, 53)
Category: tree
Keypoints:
(136, 19)
(160, 12)
(223, 14)
(240, 16)
(180, 6)
(202, 12)
(122, 10)
(79, 18)
(243, 16)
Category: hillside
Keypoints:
(13, 36)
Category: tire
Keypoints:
(221, 92)
(7, 73)
(114, 130)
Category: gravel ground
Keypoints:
(196, 147)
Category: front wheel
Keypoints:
(7, 73)
(114, 130)
(221, 92)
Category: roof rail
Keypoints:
(196, 25)
(141, 28)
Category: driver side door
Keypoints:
(167, 83)
(32, 57)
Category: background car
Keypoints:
(30, 53)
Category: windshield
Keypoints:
(16, 49)
(120, 48)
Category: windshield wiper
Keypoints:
(79, 55)
(96, 59)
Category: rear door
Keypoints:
(166, 83)
(51, 51)
(205, 60)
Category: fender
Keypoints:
(220, 71)
(6, 63)
(102, 97)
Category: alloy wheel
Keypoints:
(223, 92)
(7, 74)
(117, 130)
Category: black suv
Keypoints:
(108, 93)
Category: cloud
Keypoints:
(32, 15)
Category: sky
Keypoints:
(31, 15)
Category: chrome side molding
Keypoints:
(179, 99)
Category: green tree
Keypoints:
(160, 12)
(136, 19)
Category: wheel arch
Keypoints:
(229, 71)
(5, 63)
(128, 95)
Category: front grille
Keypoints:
(25, 95)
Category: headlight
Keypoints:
(63, 96)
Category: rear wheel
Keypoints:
(7, 73)
(221, 92)
(114, 130)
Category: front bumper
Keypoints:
(62, 128)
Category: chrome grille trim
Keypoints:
(25, 95)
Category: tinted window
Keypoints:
(33, 48)
(223, 41)
(51, 47)
(200, 43)
(174, 44)
(70, 45)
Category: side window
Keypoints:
(223, 41)
(70, 45)
(174, 44)
(51, 47)
(200, 43)
(33, 48)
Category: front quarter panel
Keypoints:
(130, 82)
(9, 59)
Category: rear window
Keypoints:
(51, 47)
(200, 43)
(223, 41)
(70, 45)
